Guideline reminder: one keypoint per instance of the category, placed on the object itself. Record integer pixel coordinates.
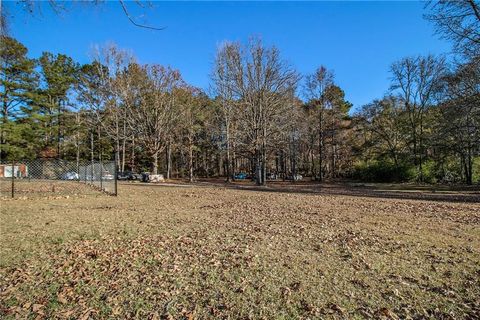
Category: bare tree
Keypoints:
(59, 7)
(459, 21)
(416, 80)
(384, 121)
(151, 115)
(264, 85)
(315, 88)
(108, 95)
(224, 84)
(460, 125)
(191, 106)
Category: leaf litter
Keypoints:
(201, 253)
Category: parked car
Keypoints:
(124, 175)
(272, 176)
(70, 176)
(241, 176)
(128, 175)
(136, 176)
(107, 176)
(296, 177)
(145, 176)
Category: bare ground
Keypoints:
(214, 252)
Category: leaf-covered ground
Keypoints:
(208, 252)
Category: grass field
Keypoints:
(203, 252)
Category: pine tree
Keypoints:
(18, 80)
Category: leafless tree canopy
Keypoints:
(459, 21)
(61, 7)
(261, 86)
(256, 124)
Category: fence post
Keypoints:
(115, 172)
(101, 173)
(13, 178)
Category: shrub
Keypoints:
(431, 172)
(383, 171)
(476, 170)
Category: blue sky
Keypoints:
(358, 40)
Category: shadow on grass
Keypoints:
(425, 193)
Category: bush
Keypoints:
(476, 170)
(448, 170)
(431, 172)
(383, 171)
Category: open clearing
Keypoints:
(211, 252)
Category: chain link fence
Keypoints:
(42, 177)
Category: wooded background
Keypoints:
(261, 117)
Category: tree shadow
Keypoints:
(340, 189)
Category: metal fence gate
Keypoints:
(43, 177)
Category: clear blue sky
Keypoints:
(358, 40)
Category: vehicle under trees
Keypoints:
(262, 85)
(254, 125)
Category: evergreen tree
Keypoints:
(50, 106)
(18, 81)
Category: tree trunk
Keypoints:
(124, 144)
(334, 160)
(4, 122)
(92, 155)
(320, 147)
(264, 167)
(228, 152)
(132, 159)
(234, 162)
(77, 155)
(77, 143)
(264, 155)
(155, 162)
(117, 153)
(219, 164)
(277, 160)
(206, 164)
(334, 148)
(190, 159)
(169, 159)
(293, 161)
(58, 129)
(312, 159)
(421, 148)
(100, 149)
(468, 167)
(258, 169)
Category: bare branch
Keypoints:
(125, 10)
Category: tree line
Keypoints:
(261, 117)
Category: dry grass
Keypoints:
(25, 188)
(209, 252)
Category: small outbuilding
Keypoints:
(19, 170)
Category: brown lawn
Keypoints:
(212, 252)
